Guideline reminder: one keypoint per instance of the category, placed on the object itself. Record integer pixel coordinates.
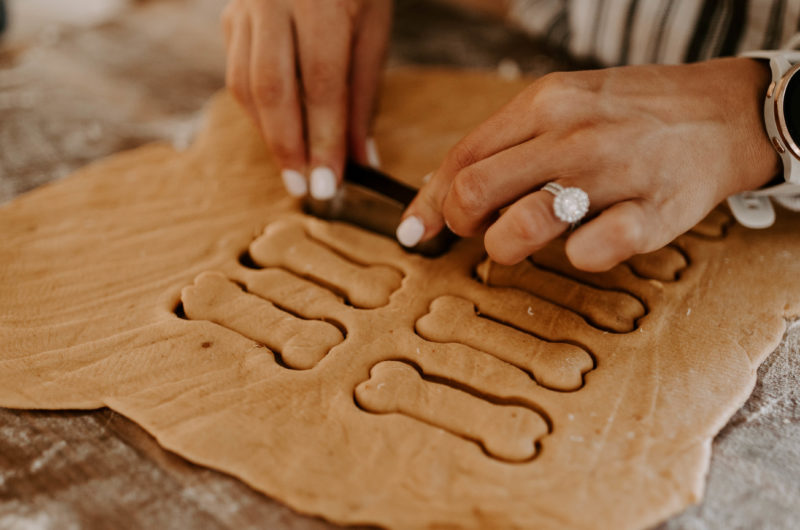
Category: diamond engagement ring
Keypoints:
(570, 204)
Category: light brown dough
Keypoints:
(460, 434)
(555, 365)
(300, 343)
(505, 431)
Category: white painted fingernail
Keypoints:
(323, 183)
(373, 158)
(410, 231)
(295, 182)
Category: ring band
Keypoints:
(570, 204)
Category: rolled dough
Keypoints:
(329, 369)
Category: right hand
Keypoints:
(307, 72)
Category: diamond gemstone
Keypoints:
(571, 205)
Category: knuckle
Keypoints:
(468, 190)
(526, 224)
(550, 109)
(550, 86)
(237, 86)
(269, 91)
(554, 98)
(629, 234)
(282, 151)
(463, 154)
(552, 80)
(323, 83)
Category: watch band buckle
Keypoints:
(754, 209)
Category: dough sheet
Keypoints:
(333, 371)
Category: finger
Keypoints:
(623, 230)
(526, 226)
(548, 102)
(226, 21)
(324, 56)
(478, 191)
(274, 90)
(531, 222)
(553, 102)
(425, 212)
(237, 72)
(422, 219)
(369, 55)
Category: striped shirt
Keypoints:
(660, 31)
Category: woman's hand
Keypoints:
(655, 148)
(307, 72)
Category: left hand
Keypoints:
(655, 148)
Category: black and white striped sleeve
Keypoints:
(660, 31)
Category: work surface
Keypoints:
(93, 468)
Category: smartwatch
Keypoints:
(753, 209)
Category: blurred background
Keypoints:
(80, 80)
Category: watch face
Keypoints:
(791, 107)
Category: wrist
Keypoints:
(763, 163)
(782, 130)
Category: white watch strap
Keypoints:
(784, 189)
(790, 202)
(790, 55)
(752, 211)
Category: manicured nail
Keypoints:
(372, 153)
(295, 182)
(323, 183)
(410, 231)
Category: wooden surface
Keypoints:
(100, 470)
(70, 95)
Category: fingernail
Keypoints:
(372, 153)
(410, 231)
(323, 183)
(427, 178)
(295, 182)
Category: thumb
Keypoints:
(423, 218)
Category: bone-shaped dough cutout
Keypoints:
(301, 343)
(295, 294)
(555, 365)
(715, 224)
(553, 257)
(285, 243)
(664, 264)
(507, 432)
(606, 309)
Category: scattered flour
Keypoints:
(47, 455)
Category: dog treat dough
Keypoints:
(326, 367)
